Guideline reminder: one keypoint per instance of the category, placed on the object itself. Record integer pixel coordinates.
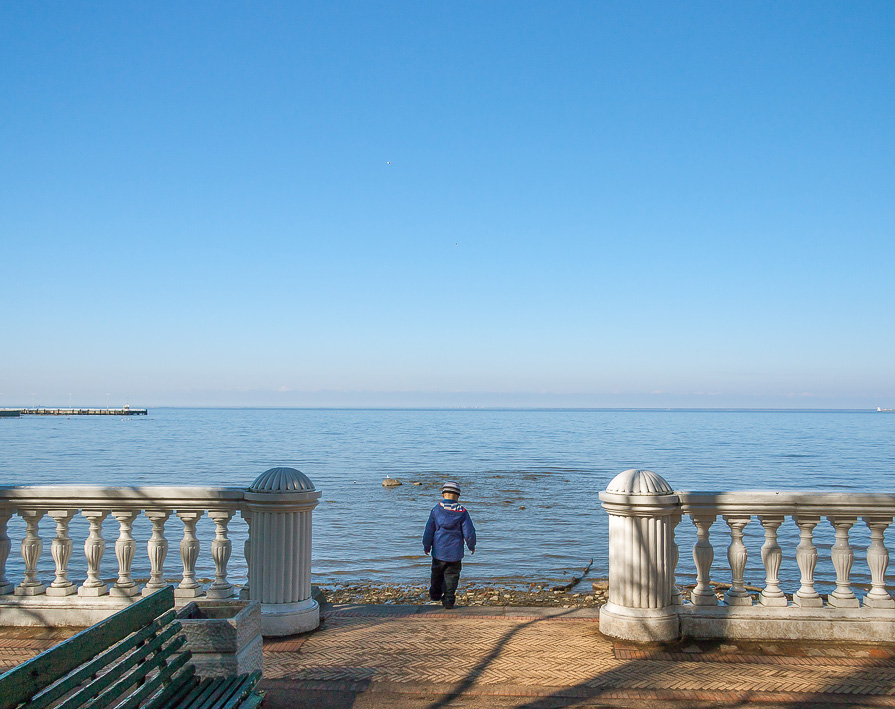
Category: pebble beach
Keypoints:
(587, 594)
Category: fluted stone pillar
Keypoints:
(280, 503)
(643, 511)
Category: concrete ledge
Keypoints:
(790, 623)
(60, 611)
(640, 625)
(68, 611)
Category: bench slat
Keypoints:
(243, 693)
(207, 692)
(248, 702)
(152, 686)
(221, 692)
(184, 700)
(70, 682)
(179, 687)
(106, 689)
(26, 680)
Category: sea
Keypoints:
(530, 479)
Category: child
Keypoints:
(448, 526)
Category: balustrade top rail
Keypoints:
(764, 502)
(136, 497)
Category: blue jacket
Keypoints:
(449, 524)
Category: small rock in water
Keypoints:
(417, 483)
(390, 482)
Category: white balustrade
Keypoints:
(282, 497)
(747, 612)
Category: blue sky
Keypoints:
(588, 204)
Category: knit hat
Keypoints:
(450, 486)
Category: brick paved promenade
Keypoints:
(423, 656)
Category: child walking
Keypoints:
(448, 527)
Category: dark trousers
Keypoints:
(445, 577)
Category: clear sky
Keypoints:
(461, 204)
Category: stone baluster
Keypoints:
(60, 549)
(878, 561)
(157, 549)
(736, 556)
(94, 548)
(806, 557)
(220, 551)
(32, 546)
(843, 557)
(772, 558)
(6, 586)
(245, 593)
(189, 553)
(703, 554)
(125, 547)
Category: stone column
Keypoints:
(643, 510)
(280, 503)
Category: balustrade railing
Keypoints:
(283, 497)
(124, 505)
(769, 510)
(644, 602)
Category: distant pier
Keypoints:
(42, 411)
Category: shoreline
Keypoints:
(587, 594)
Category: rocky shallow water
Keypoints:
(587, 594)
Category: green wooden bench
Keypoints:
(131, 659)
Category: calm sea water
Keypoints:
(530, 478)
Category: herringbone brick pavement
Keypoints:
(559, 657)
(421, 656)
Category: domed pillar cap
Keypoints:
(282, 485)
(638, 488)
(639, 482)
